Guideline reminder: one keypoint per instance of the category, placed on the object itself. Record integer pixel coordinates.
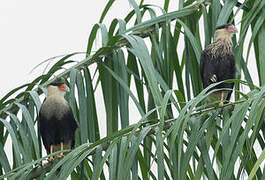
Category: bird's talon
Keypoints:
(213, 78)
(50, 159)
(60, 155)
(221, 104)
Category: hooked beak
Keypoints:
(64, 88)
(232, 29)
(235, 30)
(67, 89)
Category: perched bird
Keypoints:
(217, 63)
(57, 123)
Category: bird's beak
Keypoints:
(235, 30)
(65, 88)
(232, 29)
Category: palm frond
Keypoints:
(150, 71)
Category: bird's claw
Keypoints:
(213, 78)
(50, 159)
(60, 155)
(221, 104)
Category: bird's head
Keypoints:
(225, 31)
(57, 88)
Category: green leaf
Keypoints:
(15, 142)
(123, 97)
(257, 164)
(93, 129)
(30, 125)
(133, 150)
(82, 108)
(226, 12)
(137, 11)
(106, 9)
(4, 160)
(261, 40)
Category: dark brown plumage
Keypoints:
(217, 63)
(57, 123)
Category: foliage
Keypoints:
(146, 66)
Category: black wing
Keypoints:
(215, 69)
(207, 69)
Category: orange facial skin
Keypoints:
(63, 87)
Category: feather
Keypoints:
(217, 63)
(57, 122)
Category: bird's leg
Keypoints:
(61, 148)
(221, 104)
(51, 151)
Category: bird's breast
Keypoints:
(55, 107)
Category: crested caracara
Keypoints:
(217, 63)
(57, 123)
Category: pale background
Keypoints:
(32, 31)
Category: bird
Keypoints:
(56, 120)
(217, 63)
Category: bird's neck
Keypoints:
(224, 42)
(55, 101)
(221, 47)
(52, 92)
(223, 35)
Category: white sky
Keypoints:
(32, 31)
